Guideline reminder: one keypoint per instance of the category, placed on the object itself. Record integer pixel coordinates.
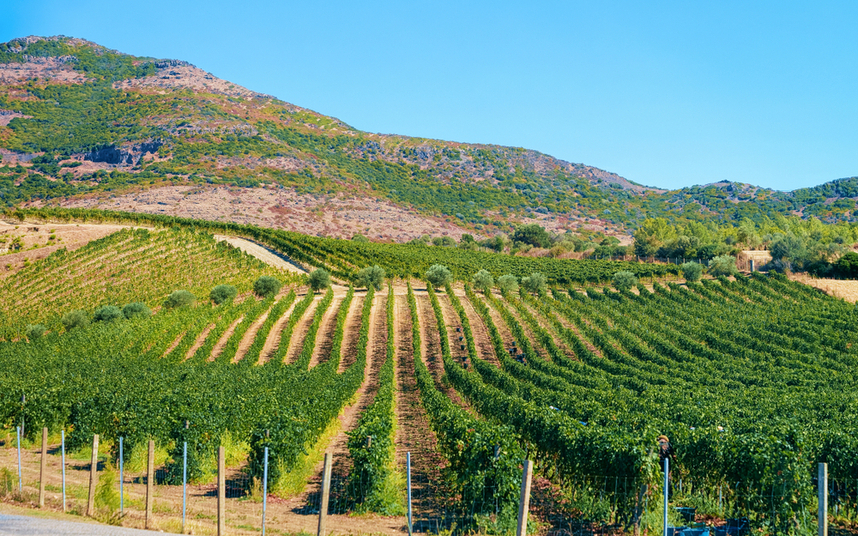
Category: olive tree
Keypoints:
(75, 319)
(692, 271)
(319, 279)
(179, 298)
(534, 283)
(723, 265)
(624, 280)
(267, 286)
(136, 309)
(371, 275)
(484, 281)
(223, 294)
(439, 275)
(107, 313)
(508, 283)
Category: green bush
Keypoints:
(371, 275)
(319, 279)
(267, 286)
(439, 275)
(34, 331)
(484, 281)
(107, 313)
(624, 280)
(533, 234)
(179, 298)
(692, 271)
(136, 309)
(223, 294)
(534, 283)
(75, 319)
(723, 265)
(508, 283)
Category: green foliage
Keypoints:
(723, 265)
(371, 275)
(360, 238)
(692, 271)
(508, 283)
(847, 265)
(439, 275)
(107, 313)
(534, 283)
(34, 331)
(136, 310)
(179, 298)
(484, 281)
(319, 279)
(624, 280)
(225, 294)
(533, 234)
(75, 319)
(267, 286)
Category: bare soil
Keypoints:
(272, 343)
(296, 344)
(352, 333)
(325, 337)
(37, 242)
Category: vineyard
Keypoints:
(752, 378)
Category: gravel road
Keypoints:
(32, 526)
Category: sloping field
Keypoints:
(753, 380)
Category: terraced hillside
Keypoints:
(752, 378)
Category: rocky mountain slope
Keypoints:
(81, 125)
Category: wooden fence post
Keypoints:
(93, 477)
(150, 483)
(326, 492)
(43, 467)
(221, 492)
(524, 504)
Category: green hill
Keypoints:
(77, 118)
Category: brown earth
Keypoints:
(340, 216)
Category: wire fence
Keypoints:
(586, 505)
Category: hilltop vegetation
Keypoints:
(95, 120)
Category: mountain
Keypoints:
(82, 125)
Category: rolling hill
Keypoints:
(85, 126)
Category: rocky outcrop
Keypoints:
(123, 156)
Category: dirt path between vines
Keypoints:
(296, 344)
(414, 434)
(325, 337)
(272, 342)
(351, 333)
(482, 338)
(338, 448)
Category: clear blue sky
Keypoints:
(666, 94)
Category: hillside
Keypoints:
(753, 378)
(81, 125)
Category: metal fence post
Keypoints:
(823, 499)
(121, 479)
(666, 491)
(524, 504)
(20, 481)
(221, 492)
(184, 482)
(93, 477)
(264, 488)
(63, 451)
(408, 484)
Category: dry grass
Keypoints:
(848, 290)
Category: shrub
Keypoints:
(223, 294)
(624, 280)
(371, 275)
(533, 234)
(691, 271)
(723, 265)
(34, 331)
(534, 283)
(360, 238)
(439, 275)
(107, 313)
(484, 281)
(136, 309)
(75, 319)
(179, 298)
(508, 283)
(267, 286)
(847, 265)
(319, 279)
